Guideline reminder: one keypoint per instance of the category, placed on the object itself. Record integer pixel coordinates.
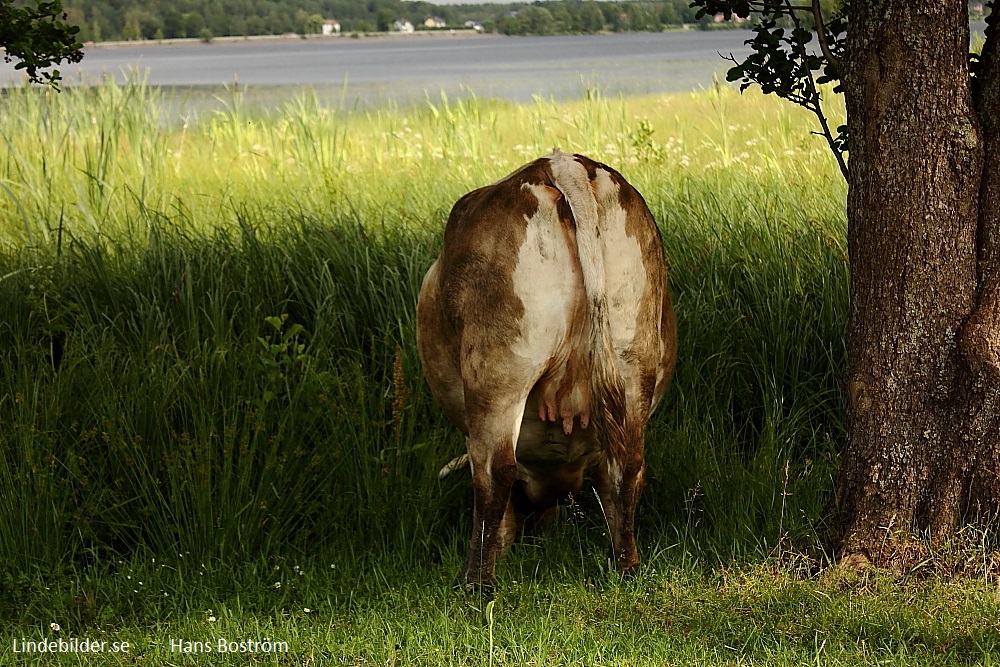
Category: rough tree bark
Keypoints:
(923, 338)
(981, 339)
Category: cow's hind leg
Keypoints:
(492, 434)
(619, 480)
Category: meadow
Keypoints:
(213, 422)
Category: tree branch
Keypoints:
(824, 45)
(837, 153)
(781, 63)
(816, 105)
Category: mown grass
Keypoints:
(210, 386)
(675, 613)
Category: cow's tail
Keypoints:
(570, 177)
(456, 463)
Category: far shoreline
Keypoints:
(447, 33)
(286, 37)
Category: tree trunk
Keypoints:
(981, 339)
(922, 335)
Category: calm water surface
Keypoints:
(373, 70)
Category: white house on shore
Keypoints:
(402, 25)
(331, 27)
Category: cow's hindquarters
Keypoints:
(548, 295)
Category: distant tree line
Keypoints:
(103, 20)
(546, 18)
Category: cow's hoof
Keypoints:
(627, 567)
(475, 586)
(629, 571)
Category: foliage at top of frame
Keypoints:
(784, 59)
(38, 38)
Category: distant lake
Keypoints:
(375, 70)
(401, 68)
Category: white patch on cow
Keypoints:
(627, 283)
(544, 284)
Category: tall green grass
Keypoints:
(207, 323)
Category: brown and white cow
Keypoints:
(547, 336)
